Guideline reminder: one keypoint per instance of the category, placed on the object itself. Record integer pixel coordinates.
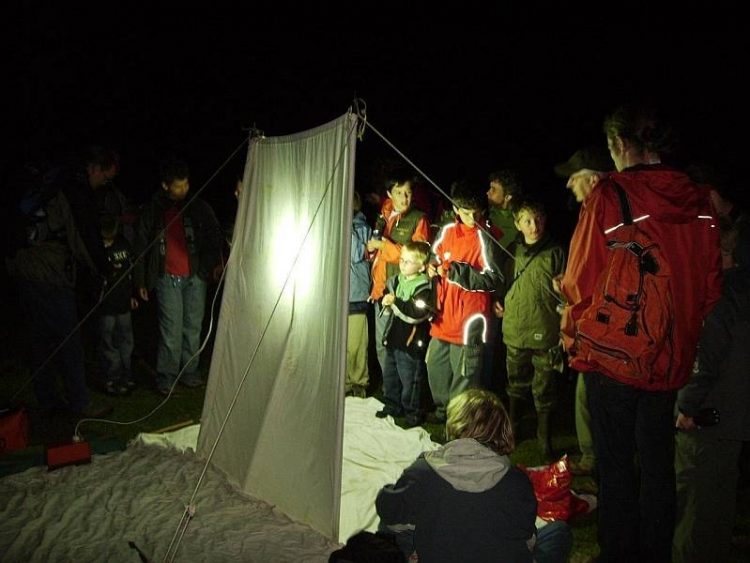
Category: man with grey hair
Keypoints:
(583, 171)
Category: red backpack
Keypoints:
(629, 322)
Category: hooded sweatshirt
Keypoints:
(677, 214)
(465, 503)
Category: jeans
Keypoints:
(116, 346)
(553, 543)
(51, 315)
(181, 304)
(636, 512)
(402, 380)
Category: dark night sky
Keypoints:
(461, 97)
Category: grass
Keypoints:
(187, 405)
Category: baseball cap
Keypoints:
(591, 158)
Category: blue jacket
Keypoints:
(359, 268)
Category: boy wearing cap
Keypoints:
(583, 171)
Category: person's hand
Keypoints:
(432, 270)
(685, 422)
(134, 303)
(374, 244)
(388, 300)
(143, 293)
(498, 309)
(557, 283)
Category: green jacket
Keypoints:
(531, 319)
(503, 219)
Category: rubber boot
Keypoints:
(515, 411)
(543, 435)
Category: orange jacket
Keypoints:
(677, 215)
(471, 274)
(391, 251)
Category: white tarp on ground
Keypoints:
(89, 513)
(283, 440)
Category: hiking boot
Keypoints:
(581, 467)
(515, 408)
(543, 436)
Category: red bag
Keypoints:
(551, 483)
(628, 325)
(14, 429)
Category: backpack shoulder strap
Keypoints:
(627, 215)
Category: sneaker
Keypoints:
(130, 383)
(193, 382)
(114, 388)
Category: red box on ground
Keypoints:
(76, 453)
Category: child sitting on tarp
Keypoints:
(466, 501)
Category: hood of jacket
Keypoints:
(662, 192)
(468, 465)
